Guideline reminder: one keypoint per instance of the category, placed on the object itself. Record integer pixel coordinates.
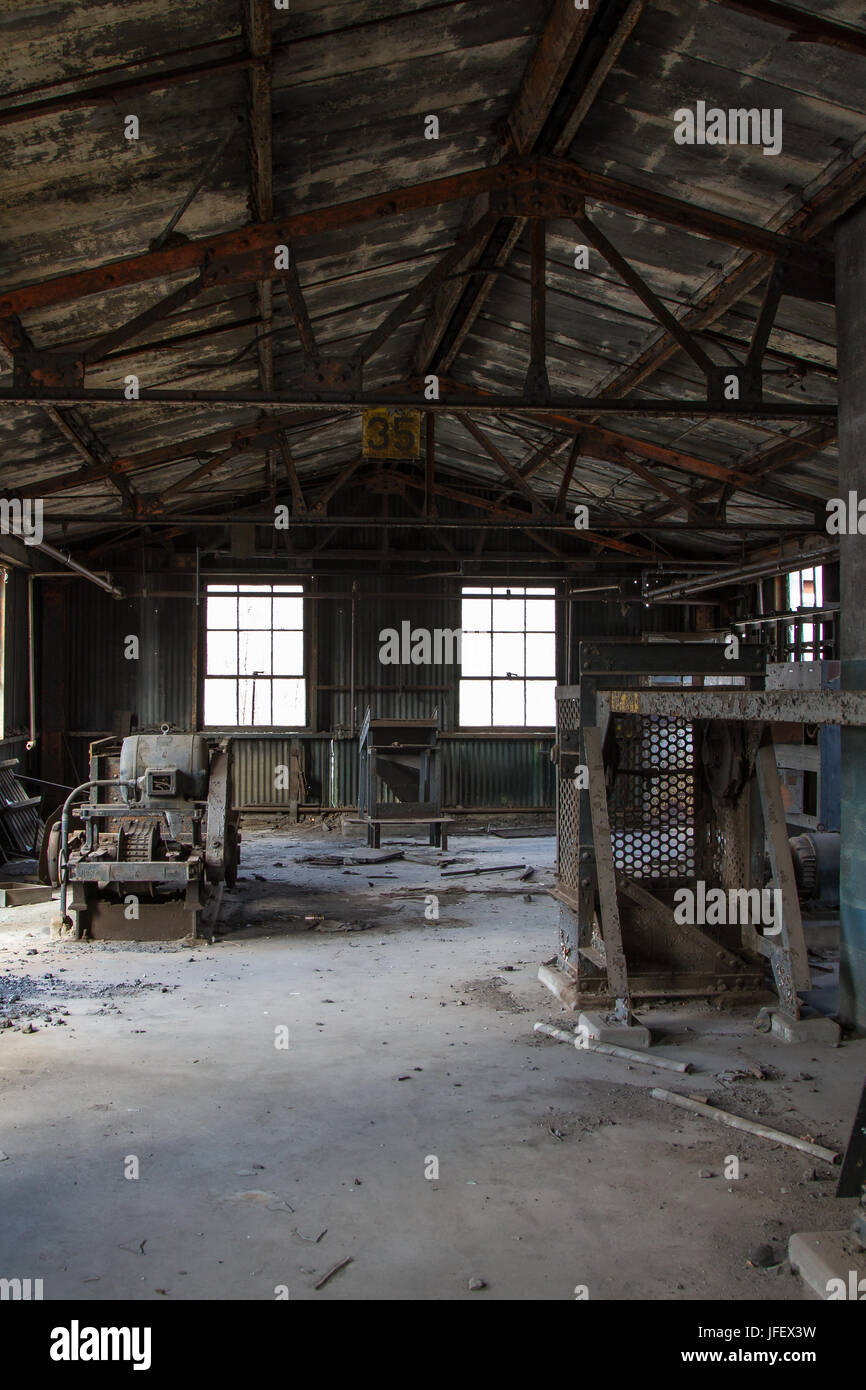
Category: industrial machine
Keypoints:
(399, 776)
(665, 784)
(155, 843)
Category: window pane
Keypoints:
(508, 702)
(254, 702)
(255, 653)
(540, 703)
(476, 615)
(508, 654)
(220, 702)
(475, 702)
(290, 703)
(222, 588)
(222, 612)
(475, 650)
(288, 653)
(508, 614)
(540, 615)
(254, 611)
(222, 653)
(540, 654)
(289, 612)
(288, 589)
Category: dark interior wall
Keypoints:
(16, 683)
(87, 681)
(15, 661)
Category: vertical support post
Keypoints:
(851, 325)
(611, 930)
(52, 763)
(788, 955)
(537, 383)
(429, 464)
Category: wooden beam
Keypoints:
(514, 477)
(611, 45)
(298, 500)
(546, 72)
(209, 466)
(167, 305)
(567, 474)
(840, 193)
(647, 296)
(471, 239)
(236, 436)
(298, 309)
(660, 207)
(496, 510)
(802, 27)
(766, 318)
(68, 420)
(537, 382)
(345, 473)
(457, 306)
(108, 93)
(239, 252)
(247, 245)
(257, 30)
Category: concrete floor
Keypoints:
(408, 1038)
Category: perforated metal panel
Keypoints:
(652, 800)
(567, 721)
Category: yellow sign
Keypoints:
(391, 434)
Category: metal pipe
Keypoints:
(759, 570)
(62, 862)
(31, 659)
(79, 569)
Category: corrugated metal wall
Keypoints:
(478, 771)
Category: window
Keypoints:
(254, 657)
(508, 658)
(806, 590)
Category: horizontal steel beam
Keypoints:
(760, 706)
(492, 405)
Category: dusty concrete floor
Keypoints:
(408, 1039)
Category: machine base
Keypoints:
(103, 920)
(815, 1029)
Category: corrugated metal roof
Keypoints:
(351, 86)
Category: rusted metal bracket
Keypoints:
(256, 264)
(538, 198)
(343, 374)
(32, 368)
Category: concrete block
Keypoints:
(559, 984)
(831, 1263)
(817, 1029)
(607, 1029)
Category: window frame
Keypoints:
(232, 586)
(497, 589)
